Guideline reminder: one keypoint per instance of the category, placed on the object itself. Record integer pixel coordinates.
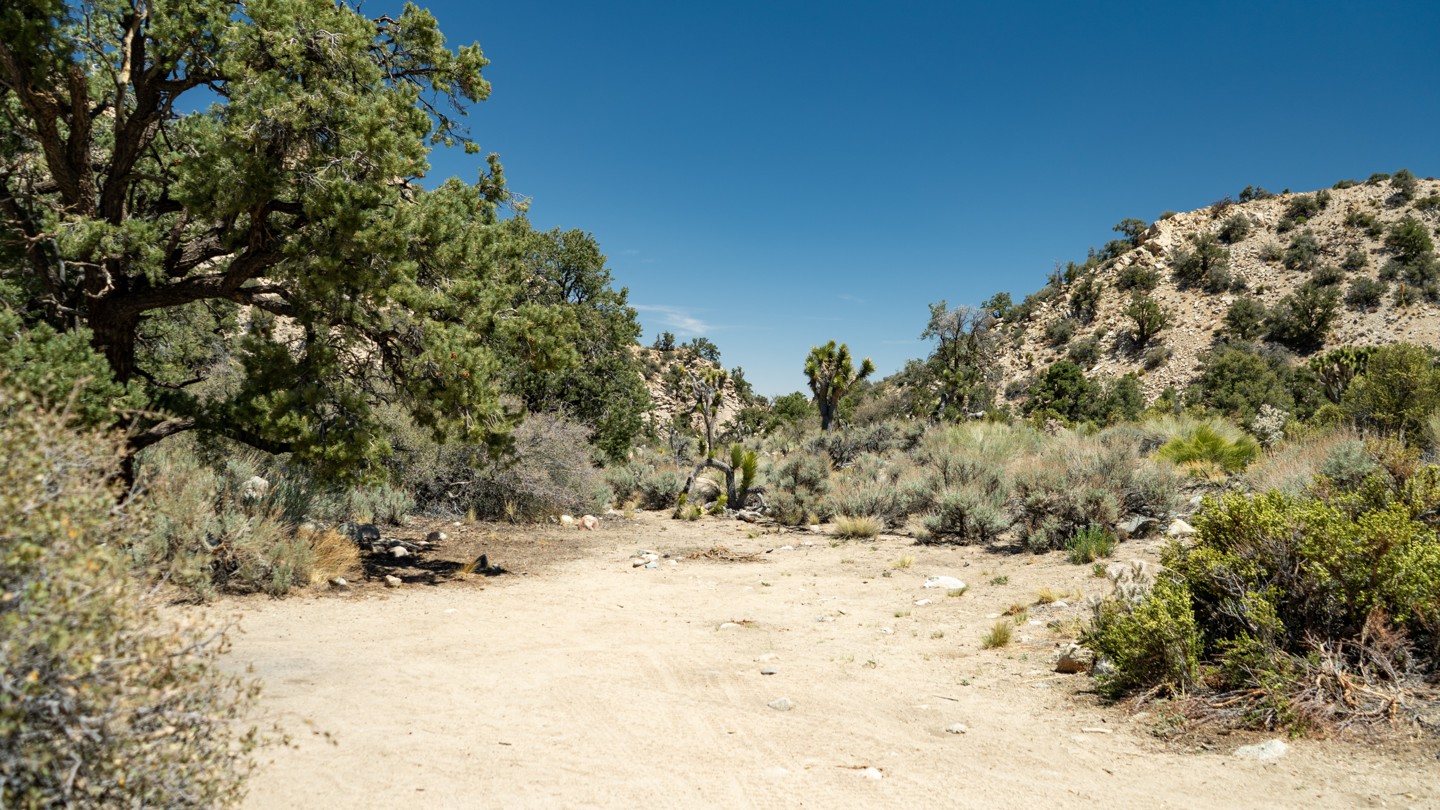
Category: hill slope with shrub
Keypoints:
(1353, 265)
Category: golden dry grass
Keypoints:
(335, 555)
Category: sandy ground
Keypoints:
(585, 682)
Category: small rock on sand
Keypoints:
(957, 728)
(783, 704)
(948, 583)
(1263, 752)
(392, 581)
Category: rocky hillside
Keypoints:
(670, 394)
(1264, 248)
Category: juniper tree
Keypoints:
(220, 196)
(832, 373)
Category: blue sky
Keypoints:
(773, 175)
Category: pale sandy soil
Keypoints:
(589, 683)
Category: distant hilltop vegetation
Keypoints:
(1298, 273)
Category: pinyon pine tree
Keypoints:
(220, 197)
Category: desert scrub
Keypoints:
(967, 514)
(1303, 612)
(1090, 544)
(800, 485)
(1082, 481)
(1205, 444)
(102, 702)
(859, 527)
(1151, 642)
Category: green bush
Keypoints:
(1203, 264)
(967, 514)
(1085, 298)
(1204, 444)
(1304, 252)
(1136, 277)
(1409, 240)
(1397, 392)
(1302, 319)
(1084, 352)
(1355, 261)
(1235, 229)
(1147, 319)
(1090, 544)
(1301, 600)
(1365, 293)
(1245, 318)
(1327, 275)
(799, 487)
(551, 471)
(1059, 331)
(1152, 642)
(102, 702)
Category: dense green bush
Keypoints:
(1397, 392)
(1205, 264)
(1136, 277)
(1365, 293)
(1147, 319)
(1149, 640)
(102, 702)
(799, 488)
(1235, 229)
(1303, 252)
(1236, 379)
(1075, 482)
(1084, 352)
(1355, 261)
(1245, 318)
(1302, 319)
(1085, 298)
(1409, 240)
(1299, 600)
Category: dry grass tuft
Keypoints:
(335, 555)
(861, 527)
(999, 636)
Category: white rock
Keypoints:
(674, 562)
(398, 552)
(922, 602)
(1263, 752)
(1074, 659)
(652, 564)
(392, 581)
(729, 626)
(872, 773)
(957, 728)
(1179, 528)
(566, 520)
(948, 583)
(785, 548)
(589, 523)
(783, 704)
(636, 562)
(339, 582)
(254, 488)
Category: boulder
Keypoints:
(948, 583)
(704, 491)
(589, 523)
(392, 581)
(399, 552)
(1073, 659)
(1179, 528)
(254, 488)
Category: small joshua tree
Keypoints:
(832, 374)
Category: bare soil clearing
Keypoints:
(586, 682)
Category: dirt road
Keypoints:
(592, 683)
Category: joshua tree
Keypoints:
(832, 374)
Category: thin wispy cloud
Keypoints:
(851, 298)
(630, 252)
(677, 319)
